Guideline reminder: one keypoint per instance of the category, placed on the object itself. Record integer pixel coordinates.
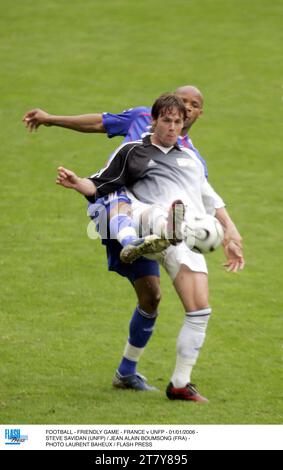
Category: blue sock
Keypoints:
(141, 329)
(127, 367)
(122, 228)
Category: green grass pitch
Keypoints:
(64, 318)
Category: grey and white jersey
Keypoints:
(156, 177)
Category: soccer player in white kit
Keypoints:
(172, 173)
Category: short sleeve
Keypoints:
(119, 124)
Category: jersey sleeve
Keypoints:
(199, 157)
(119, 124)
(113, 176)
(210, 198)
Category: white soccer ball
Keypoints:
(204, 234)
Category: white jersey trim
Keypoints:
(97, 175)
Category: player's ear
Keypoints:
(153, 124)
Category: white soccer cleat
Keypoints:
(143, 246)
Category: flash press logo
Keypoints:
(14, 437)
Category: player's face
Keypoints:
(167, 128)
(193, 102)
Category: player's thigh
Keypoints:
(118, 204)
(192, 288)
(188, 271)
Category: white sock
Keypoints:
(132, 353)
(154, 220)
(189, 343)
(126, 235)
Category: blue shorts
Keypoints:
(139, 268)
(99, 212)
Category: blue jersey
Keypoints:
(134, 122)
(130, 124)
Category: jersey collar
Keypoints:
(147, 142)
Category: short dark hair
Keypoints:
(165, 103)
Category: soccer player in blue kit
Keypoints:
(134, 122)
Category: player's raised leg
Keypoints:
(166, 228)
(121, 225)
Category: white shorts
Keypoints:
(174, 256)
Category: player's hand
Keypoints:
(231, 233)
(67, 178)
(234, 254)
(34, 118)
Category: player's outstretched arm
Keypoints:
(231, 231)
(82, 123)
(69, 179)
(232, 242)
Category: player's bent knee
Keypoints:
(149, 301)
(148, 293)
